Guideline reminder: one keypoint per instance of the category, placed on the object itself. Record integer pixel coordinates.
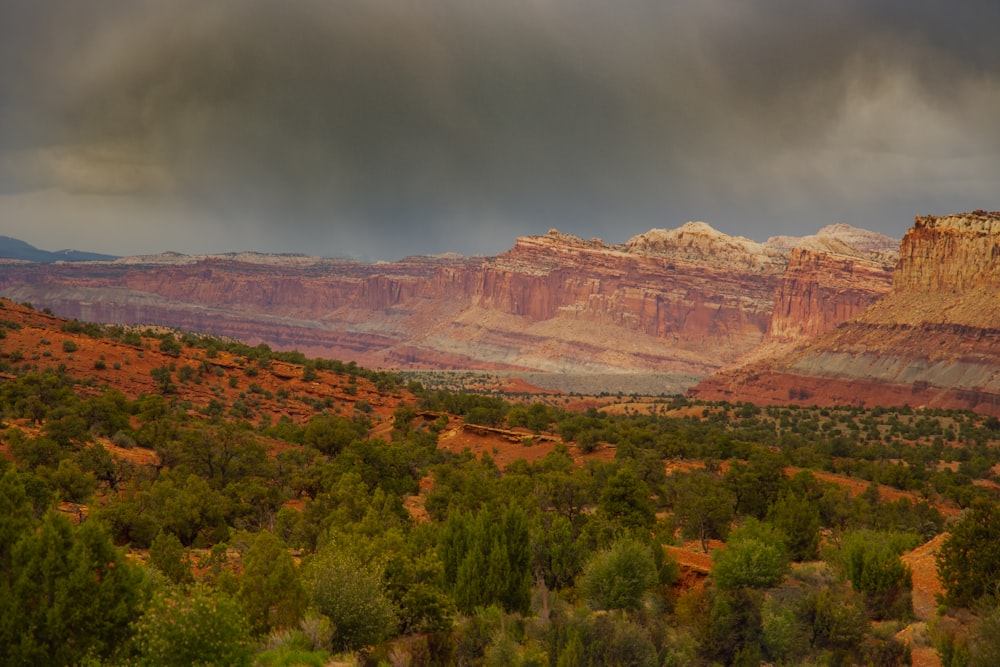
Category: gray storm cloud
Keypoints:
(390, 127)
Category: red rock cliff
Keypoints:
(950, 253)
(825, 285)
(934, 340)
(681, 301)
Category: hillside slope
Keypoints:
(190, 369)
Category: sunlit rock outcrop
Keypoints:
(933, 340)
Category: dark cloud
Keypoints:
(388, 127)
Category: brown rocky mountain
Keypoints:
(826, 282)
(933, 341)
(684, 302)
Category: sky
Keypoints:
(378, 129)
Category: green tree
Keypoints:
(626, 500)
(465, 485)
(733, 632)
(187, 507)
(874, 569)
(15, 515)
(557, 554)
(67, 428)
(107, 470)
(487, 559)
(270, 591)
(754, 557)
(200, 627)
(786, 639)
(703, 507)
(74, 485)
(567, 492)
(617, 577)
(220, 455)
(170, 346)
(167, 555)
(164, 384)
(330, 434)
(381, 464)
(414, 578)
(835, 619)
(402, 421)
(536, 417)
(610, 639)
(755, 485)
(969, 560)
(352, 595)
(105, 414)
(68, 592)
(35, 453)
(984, 636)
(798, 519)
(572, 653)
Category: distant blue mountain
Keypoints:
(17, 249)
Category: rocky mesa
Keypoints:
(933, 341)
(685, 301)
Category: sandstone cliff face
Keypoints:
(560, 303)
(824, 286)
(682, 301)
(659, 289)
(933, 340)
(951, 253)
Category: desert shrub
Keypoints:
(270, 591)
(199, 627)
(167, 554)
(754, 557)
(618, 577)
(871, 562)
(969, 560)
(352, 595)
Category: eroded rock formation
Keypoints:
(684, 301)
(826, 283)
(934, 340)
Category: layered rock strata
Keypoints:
(826, 283)
(683, 301)
(934, 340)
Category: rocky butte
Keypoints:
(683, 302)
(933, 341)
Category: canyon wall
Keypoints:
(933, 341)
(644, 305)
(686, 301)
(826, 283)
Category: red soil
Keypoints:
(926, 586)
(926, 583)
(41, 342)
